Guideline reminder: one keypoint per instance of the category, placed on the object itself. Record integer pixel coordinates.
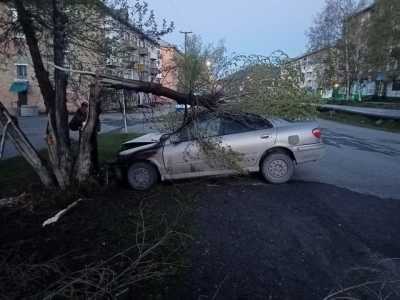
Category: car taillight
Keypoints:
(317, 133)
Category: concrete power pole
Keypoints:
(186, 33)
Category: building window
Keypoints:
(22, 72)
(396, 85)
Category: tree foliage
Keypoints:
(336, 29)
(329, 24)
(384, 35)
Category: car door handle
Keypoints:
(264, 137)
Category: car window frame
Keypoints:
(191, 138)
(249, 129)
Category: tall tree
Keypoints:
(332, 30)
(58, 31)
(384, 36)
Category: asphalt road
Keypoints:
(300, 240)
(34, 128)
(361, 159)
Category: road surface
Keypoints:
(360, 159)
(299, 240)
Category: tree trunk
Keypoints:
(208, 101)
(347, 58)
(60, 150)
(41, 73)
(84, 165)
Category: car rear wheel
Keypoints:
(277, 168)
(142, 176)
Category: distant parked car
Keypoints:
(272, 147)
(181, 107)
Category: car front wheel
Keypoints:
(142, 176)
(277, 168)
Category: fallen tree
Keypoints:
(85, 161)
(61, 32)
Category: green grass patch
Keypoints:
(363, 121)
(110, 143)
(16, 175)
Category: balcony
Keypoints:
(129, 45)
(112, 63)
(154, 71)
(130, 61)
(143, 51)
(140, 67)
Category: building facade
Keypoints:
(128, 53)
(325, 70)
(170, 55)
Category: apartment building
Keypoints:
(170, 54)
(18, 85)
(312, 68)
(367, 82)
(128, 53)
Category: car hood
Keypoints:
(141, 143)
(153, 137)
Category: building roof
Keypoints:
(311, 53)
(165, 44)
(362, 11)
(119, 16)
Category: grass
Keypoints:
(363, 121)
(16, 175)
(109, 144)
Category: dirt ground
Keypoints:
(233, 238)
(83, 255)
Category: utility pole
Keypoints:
(186, 33)
(187, 84)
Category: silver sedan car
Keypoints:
(272, 147)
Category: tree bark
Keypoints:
(84, 163)
(60, 151)
(208, 101)
(348, 81)
(41, 73)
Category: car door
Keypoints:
(184, 156)
(249, 137)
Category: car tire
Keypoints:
(142, 176)
(277, 168)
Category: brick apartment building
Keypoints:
(170, 54)
(132, 54)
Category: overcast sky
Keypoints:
(248, 27)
